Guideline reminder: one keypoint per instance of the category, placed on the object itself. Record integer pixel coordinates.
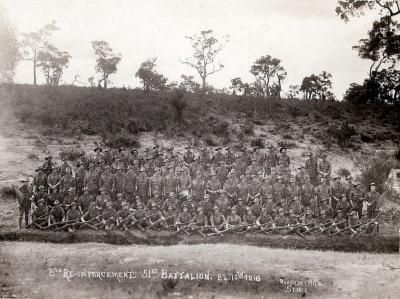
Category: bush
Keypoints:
(342, 134)
(258, 142)
(179, 104)
(375, 170)
(122, 139)
(221, 129)
(344, 172)
(366, 138)
(287, 144)
(248, 129)
(210, 140)
(70, 154)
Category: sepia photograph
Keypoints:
(199, 149)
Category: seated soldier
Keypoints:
(293, 221)
(325, 206)
(240, 208)
(343, 205)
(223, 202)
(170, 215)
(308, 221)
(69, 199)
(171, 200)
(281, 220)
(256, 207)
(102, 198)
(233, 219)
(265, 219)
(124, 218)
(40, 195)
(217, 220)
(340, 222)
(249, 219)
(206, 205)
(57, 214)
(109, 216)
(73, 215)
(156, 219)
(40, 214)
(93, 214)
(139, 216)
(190, 205)
(199, 222)
(84, 201)
(183, 218)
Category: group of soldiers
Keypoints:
(209, 191)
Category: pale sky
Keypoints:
(306, 35)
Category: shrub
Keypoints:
(375, 170)
(221, 129)
(179, 104)
(287, 144)
(210, 140)
(32, 156)
(343, 172)
(122, 139)
(342, 134)
(366, 138)
(258, 142)
(70, 154)
(248, 129)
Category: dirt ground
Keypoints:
(40, 270)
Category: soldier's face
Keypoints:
(373, 188)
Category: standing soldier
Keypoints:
(280, 190)
(129, 183)
(271, 159)
(336, 191)
(54, 181)
(118, 181)
(91, 180)
(142, 185)
(222, 172)
(284, 159)
(98, 155)
(218, 157)
(106, 179)
(204, 157)
(293, 191)
(183, 181)
(229, 158)
(39, 179)
(157, 183)
(48, 165)
(80, 178)
(67, 182)
(324, 167)
(24, 201)
(65, 167)
(371, 199)
(323, 189)
(198, 187)
(188, 156)
(356, 199)
(213, 188)
(307, 192)
(171, 182)
(107, 157)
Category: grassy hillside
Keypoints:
(119, 114)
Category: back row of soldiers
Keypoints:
(249, 187)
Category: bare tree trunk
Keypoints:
(204, 84)
(105, 80)
(34, 71)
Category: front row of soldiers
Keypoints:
(183, 215)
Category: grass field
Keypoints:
(25, 272)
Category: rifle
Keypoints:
(83, 223)
(319, 226)
(331, 226)
(185, 225)
(140, 220)
(43, 217)
(346, 228)
(100, 225)
(57, 223)
(293, 227)
(160, 220)
(252, 227)
(226, 230)
(273, 228)
(362, 226)
(124, 220)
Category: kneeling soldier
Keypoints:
(73, 214)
